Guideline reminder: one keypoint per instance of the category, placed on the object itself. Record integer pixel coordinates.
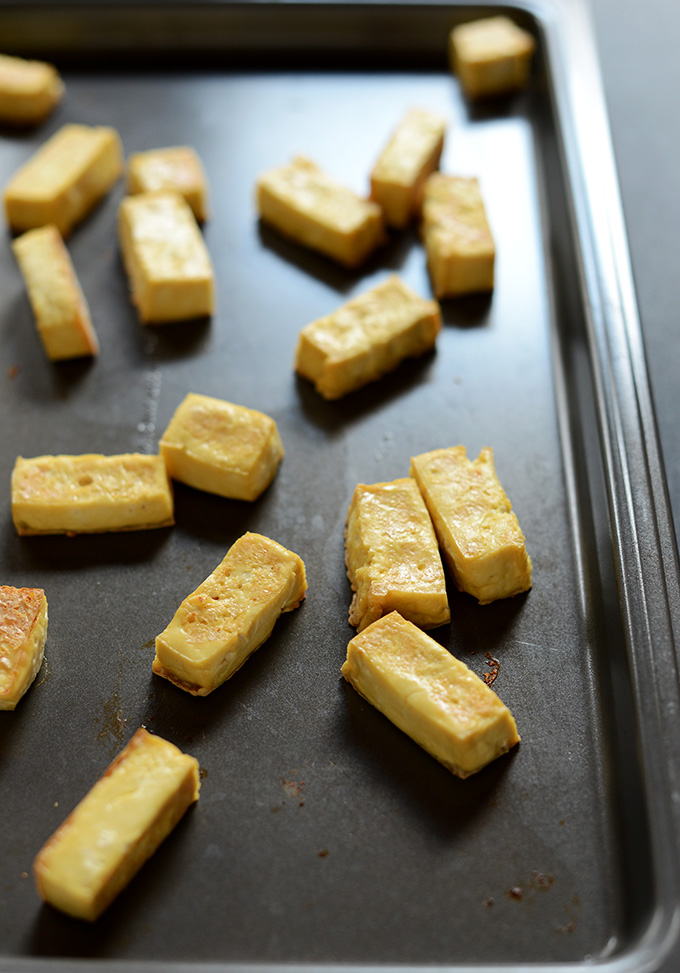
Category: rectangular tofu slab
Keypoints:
(222, 448)
(168, 265)
(303, 203)
(411, 154)
(392, 558)
(483, 544)
(366, 337)
(29, 90)
(177, 169)
(65, 179)
(117, 826)
(460, 248)
(229, 615)
(90, 494)
(61, 313)
(430, 695)
(23, 631)
(491, 56)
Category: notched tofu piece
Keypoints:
(458, 241)
(430, 695)
(23, 631)
(229, 615)
(117, 826)
(90, 494)
(65, 179)
(479, 534)
(491, 56)
(221, 447)
(411, 154)
(29, 90)
(392, 558)
(61, 313)
(303, 203)
(168, 265)
(177, 169)
(366, 337)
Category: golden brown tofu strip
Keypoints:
(491, 56)
(23, 631)
(29, 90)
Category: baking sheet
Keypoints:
(323, 835)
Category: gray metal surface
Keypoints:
(323, 835)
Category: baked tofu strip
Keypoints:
(90, 494)
(222, 448)
(168, 265)
(366, 337)
(61, 313)
(178, 169)
(411, 154)
(23, 630)
(479, 534)
(430, 695)
(491, 56)
(65, 179)
(458, 242)
(392, 558)
(230, 614)
(303, 203)
(117, 826)
(29, 90)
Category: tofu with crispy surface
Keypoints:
(411, 154)
(90, 494)
(177, 169)
(117, 826)
(366, 337)
(29, 90)
(491, 56)
(168, 265)
(307, 206)
(430, 695)
(65, 179)
(23, 631)
(229, 615)
(392, 558)
(479, 534)
(61, 313)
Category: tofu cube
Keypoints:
(392, 557)
(411, 154)
(366, 337)
(479, 533)
(229, 615)
(168, 265)
(23, 631)
(29, 90)
(307, 206)
(61, 313)
(65, 179)
(117, 826)
(177, 169)
(430, 695)
(458, 242)
(491, 56)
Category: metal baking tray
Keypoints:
(324, 838)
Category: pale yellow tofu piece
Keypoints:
(303, 203)
(491, 56)
(222, 448)
(117, 826)
(392, 557)
(229, 615)
(479, 534)
(366, 337)
(90, 494)
(168, 265)
(29, 90)
(23, 631)
(61, 313)
(178, 169)
(65, 179)
(458, 241)
(411, 154)
(430, 695)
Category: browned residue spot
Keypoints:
(515, 893)
(202, 773)
(489, 902)
(12, 371)
(323, 853)
(568, 929)
(112, 721)
(293, 788)
(494, 664)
